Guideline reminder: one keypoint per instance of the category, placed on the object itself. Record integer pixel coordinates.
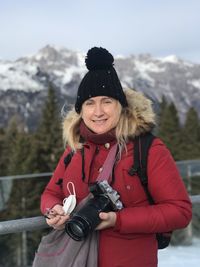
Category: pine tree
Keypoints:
(190, 146)
(11, 133)
(2, 154)
(169, 129)
(47, 145)
(162, 106)
(14, 158)
(3, 157)
(4, 245)
(161, 110)
(45, 150)
(31, 153)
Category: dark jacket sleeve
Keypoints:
(53, 193)
(172, 209)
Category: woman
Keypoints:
(104, 115)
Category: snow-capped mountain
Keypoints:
(24, 82)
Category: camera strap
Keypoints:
(106, 172)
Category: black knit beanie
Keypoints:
(101, 79)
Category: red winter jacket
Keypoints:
(132, 242)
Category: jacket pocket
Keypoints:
(134, 193)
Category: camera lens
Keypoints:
(77, 228)
(87, 218)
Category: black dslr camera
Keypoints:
(82, 222)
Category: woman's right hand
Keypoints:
(56, 217)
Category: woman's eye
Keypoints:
(88, 103)
(108, 101)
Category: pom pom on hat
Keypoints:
(99, 59)
(100, 80)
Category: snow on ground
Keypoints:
(180, 256)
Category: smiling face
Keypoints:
(101, 113)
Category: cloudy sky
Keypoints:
(124, 27)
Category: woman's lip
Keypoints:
(99, 120)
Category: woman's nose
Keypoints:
(98, 111)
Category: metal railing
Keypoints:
(20, 225)
(191, 168)
(25, 176)
(39, 222)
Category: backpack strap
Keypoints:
(68, 158)
(142, 144)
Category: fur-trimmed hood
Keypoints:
(141, 117)
(142, 112)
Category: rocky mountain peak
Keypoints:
(176, 79)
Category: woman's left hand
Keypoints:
(108, 220)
